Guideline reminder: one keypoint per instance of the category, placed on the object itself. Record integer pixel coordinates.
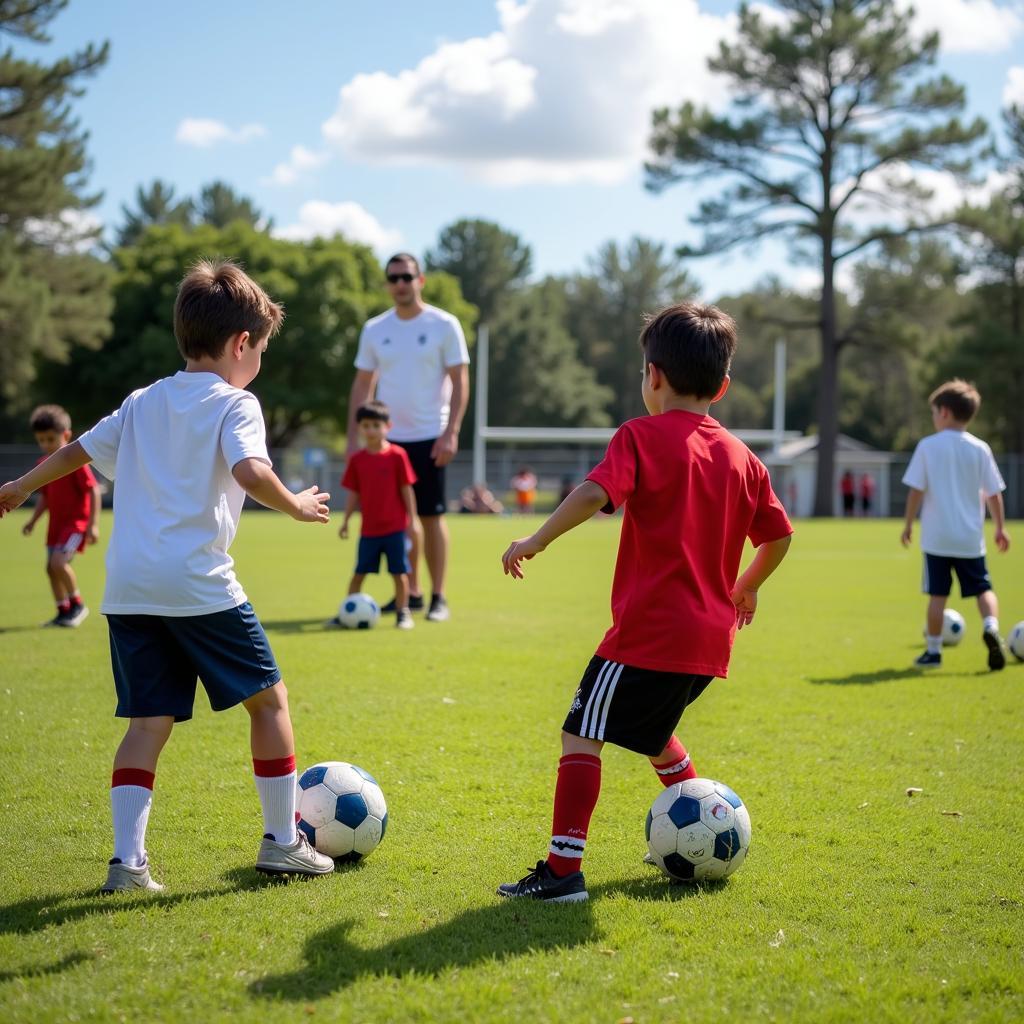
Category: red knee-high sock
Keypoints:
(673, 764)
(576, 793)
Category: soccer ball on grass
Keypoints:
(359, 611)
(953, 627)
(698, 830)
(341, 809)
(1015, 641)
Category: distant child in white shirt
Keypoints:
(184, 453)
(952, 476)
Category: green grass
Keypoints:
(855, 903)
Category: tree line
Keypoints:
(836, 108)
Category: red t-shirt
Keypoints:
(68, 500)
(693, 495)
(377, 477)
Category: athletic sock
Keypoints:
(933, 644)
(576, 793)
(131, 797)
(76, 600)
(677, 765)
(990, 624)
(63, 607)
(275, 783)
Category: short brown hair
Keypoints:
(403, 257)
(373, 410)
(49, 417)
(216, 300)
(960, 397)
(693, 345)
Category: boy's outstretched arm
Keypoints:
(37, 514)
(351, 504)
(914, 499)
(998, 514)
(262, 484)
(63, 461)
(766, 561)
(577, 508)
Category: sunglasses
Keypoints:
(395, 278)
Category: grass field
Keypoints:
(856, 902)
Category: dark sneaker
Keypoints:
(403, 620)
(334, 623)
(124, 876)
(57, 620)
(996, 655)
(415, 604)
(928, 660)
(74, 618)
(541, 884)
(438, 611)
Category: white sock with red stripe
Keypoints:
(131, 797)
(275, 783)
(673, 764)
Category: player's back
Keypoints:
(170, 449)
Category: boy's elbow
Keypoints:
(247, 473)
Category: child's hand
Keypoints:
(1002, 540)
(517, 551)
(11, 496)
(746, 605)
(92, 535)
(343, 530)
(28, 528)
(908, 532)
(313, 505)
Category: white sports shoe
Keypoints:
(297, 859)
(125, 876)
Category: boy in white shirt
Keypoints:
(952, 476)
(184, 453)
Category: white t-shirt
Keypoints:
(171, 447)
(957, 473)
(412, 359)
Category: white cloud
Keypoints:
(1013, 90)
(205, 132)
(300, 161)
(321, 219)
(563, 92)
(969, 26)
(69, 231)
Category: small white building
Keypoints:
(794, 466)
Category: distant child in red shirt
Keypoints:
(379, 479)
(693, 494)
(74, 506)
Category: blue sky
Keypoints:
(391, 120)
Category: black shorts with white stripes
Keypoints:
(635, 708)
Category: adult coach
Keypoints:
(415, 356)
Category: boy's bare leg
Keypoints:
(435, 549)
(415, 550)
(62, 577)
(270, 725)
(356, 583)
(401, 590)
(936, 606)
(142, 743)
(988, 605)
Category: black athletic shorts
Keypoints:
(937, 579)
(429, 486)
(635, 708)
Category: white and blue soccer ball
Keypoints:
(359, 611)
(698, 830)
(341, 809)
(1015, 641)
(953, 627)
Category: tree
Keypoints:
(220, 205)
(489, 262)
(153, 205)
(607, 309)
(830, 109)
(53, 295)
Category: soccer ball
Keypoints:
(341, 809)
(1015, 641)
(698, 830)
(952, 627)
(358, 611)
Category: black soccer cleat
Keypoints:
(542, 884)
(415, 604)
(928, 660)
(996, 655)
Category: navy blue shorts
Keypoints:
(971, 572)
(392, 545)
(157, 660)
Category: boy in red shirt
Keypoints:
(379, 479)
(693, 494)
(74, 506)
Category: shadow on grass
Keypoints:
(882, 675)
(39, 912)
(501, 931)
(298, 626)
(71, 960)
